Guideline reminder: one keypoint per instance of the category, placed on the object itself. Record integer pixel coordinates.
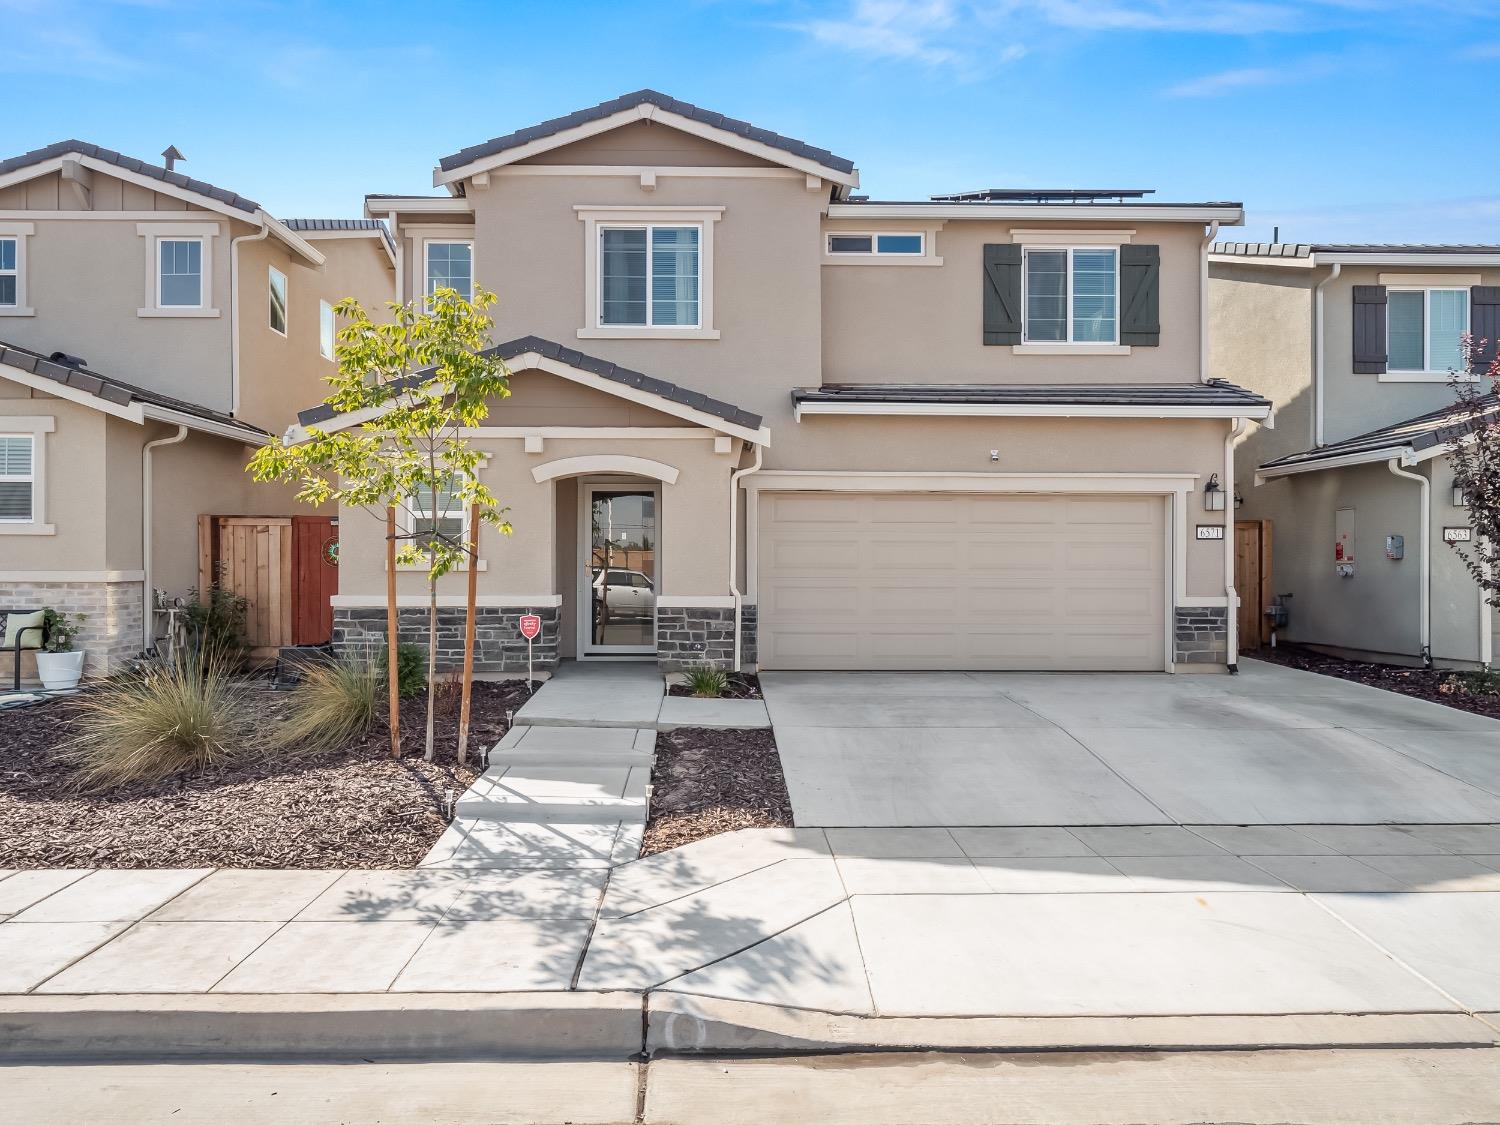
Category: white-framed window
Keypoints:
(649, 276)
(10, 271)
(179, 273)
(17, 478)
(896, 243)
(449, 265)
(179, 269)
(1424, 329)
(326, 333)
(1071, 294)
(439, 512)
(277, 293)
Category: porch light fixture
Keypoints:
(1213, 494)
(1460, 498)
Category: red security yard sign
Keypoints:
(530, 625)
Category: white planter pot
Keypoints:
(59, 670)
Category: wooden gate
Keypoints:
(315, 578)
(1252, 580)
(285, 567)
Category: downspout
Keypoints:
(1486, 616)
(1424, 569)
(1317, 434)
(234, 311)
(400, 242)
(734, 545)
(148, 623)
(1208, 241)
(1231, 595)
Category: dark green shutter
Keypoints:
(1484, 326)
(1369, 330)
(1002, 294)
(1140, 295)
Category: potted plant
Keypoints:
(58, 663)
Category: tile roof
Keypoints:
(1307, 249)
(130, 164)
(601, 367)
(630, 101)
(1213, 393)
(1082, 202)
(1436, 427)
(79, 377)
(313, 225)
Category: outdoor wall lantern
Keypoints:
(1460, 500)
(1213, 494)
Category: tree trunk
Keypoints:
(432, 613)
(468, 683)
(391, 624)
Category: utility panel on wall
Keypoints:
(1343, 542)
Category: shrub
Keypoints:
(61, 629)
(159, 721)
(411, 668)
(1481, 681)
(708, 682)
(218, 626)
(335, 702)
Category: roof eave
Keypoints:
(1402, 452)
(1257, 412)
(1225, 215)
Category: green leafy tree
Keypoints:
(417, 381)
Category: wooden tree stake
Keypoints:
(468, 684)
(391, 625)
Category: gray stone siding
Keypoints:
(692, 636)
(749, 652)
(1202, 635)
(498, 644)
(111, 635)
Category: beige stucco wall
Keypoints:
(76, 503)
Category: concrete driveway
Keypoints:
(1270, 746)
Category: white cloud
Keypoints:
(1227, 81)
(896, 29)
(1463, 221)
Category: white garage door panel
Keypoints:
(875, 580)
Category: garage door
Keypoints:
(969, 581)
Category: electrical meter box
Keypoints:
(1395, 547)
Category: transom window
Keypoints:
(1425, 329)
(875, 244)
(648, 276)
(17, 478)
(278, 301)
(10, 273)
(450, 265)
(326, 334)
(1071, 295)
(179, 277)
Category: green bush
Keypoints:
(62, 629)
(411, 668)
(159, 721)
(708, 682)
(335, 702)
(217, 623)
(1483, 681)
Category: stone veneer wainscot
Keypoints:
(498, 644)
(111, 634)
(1201, 635)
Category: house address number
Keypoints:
(1458, 534)
(1210, 531)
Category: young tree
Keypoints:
(1475, 456)
(417, 381)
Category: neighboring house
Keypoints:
(1356, 346)
(153, 330)
(968, 431)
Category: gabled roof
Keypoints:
(1311, 254)
(129, 164)
(1215, 399)
(1415, 439)
(553, 357)
(312, 228)
(79, 383)
(638, 105)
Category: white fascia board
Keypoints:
(293, 240)
(417, 204)
(643, 112)
(1408, 259)
(130, 412)
(1306, 263)
(1027, 410)
(203, 425)
(1348, 460)
(1227, 216)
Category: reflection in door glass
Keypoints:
(622, 568)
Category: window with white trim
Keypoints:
(179, 273)
(649, 276)
(326, 333)
(10, 272)
(17, 478)
(277, 293)
(1071, 294)
(903, 243)
(450, 265)
(1425, 328)
(438, 513)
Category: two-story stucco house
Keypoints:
(1348, 502)
(758, 419)
(153, 330)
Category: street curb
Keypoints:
(592, 1025)
(678, 1023)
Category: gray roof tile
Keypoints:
(1213, 393)
(314, 225)
(1306, 249)
(130, 164)
(1436, 427)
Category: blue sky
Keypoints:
(1339, 120)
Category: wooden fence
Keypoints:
(284, 569)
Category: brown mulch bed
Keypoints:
(741, 685)
(354, 807)
(707, 782)
(1437, 685)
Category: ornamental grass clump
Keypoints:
(335, 703)
(707, 682)
(159, 722)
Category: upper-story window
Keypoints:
(450, 265)
(179, 273)
(278, 301)
(10, 272)
(17, 478)
(1425, 329)
(1071, 295)
(648, 276)
(906, 244)
(325, 330)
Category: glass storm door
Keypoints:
(619, 572)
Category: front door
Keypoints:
(617, 599)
